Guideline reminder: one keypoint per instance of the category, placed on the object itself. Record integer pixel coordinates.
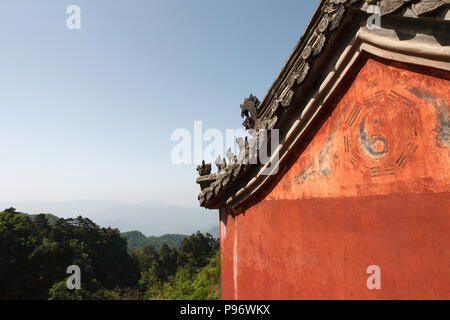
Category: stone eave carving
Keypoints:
(410, 8)
(224, 188)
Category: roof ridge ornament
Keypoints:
(204, 169)
(221, 163)
(249, 110)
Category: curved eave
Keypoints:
(347, 47)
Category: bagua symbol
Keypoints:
(374, 21)
(74, 20)
(74, 281)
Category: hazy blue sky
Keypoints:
(88, 114)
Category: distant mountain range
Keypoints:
(148, 218)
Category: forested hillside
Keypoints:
(137, 240)
(50, 217)
(34, 256)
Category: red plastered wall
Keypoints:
(371, 188)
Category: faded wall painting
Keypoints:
(390, 133)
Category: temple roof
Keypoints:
(336, 41)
